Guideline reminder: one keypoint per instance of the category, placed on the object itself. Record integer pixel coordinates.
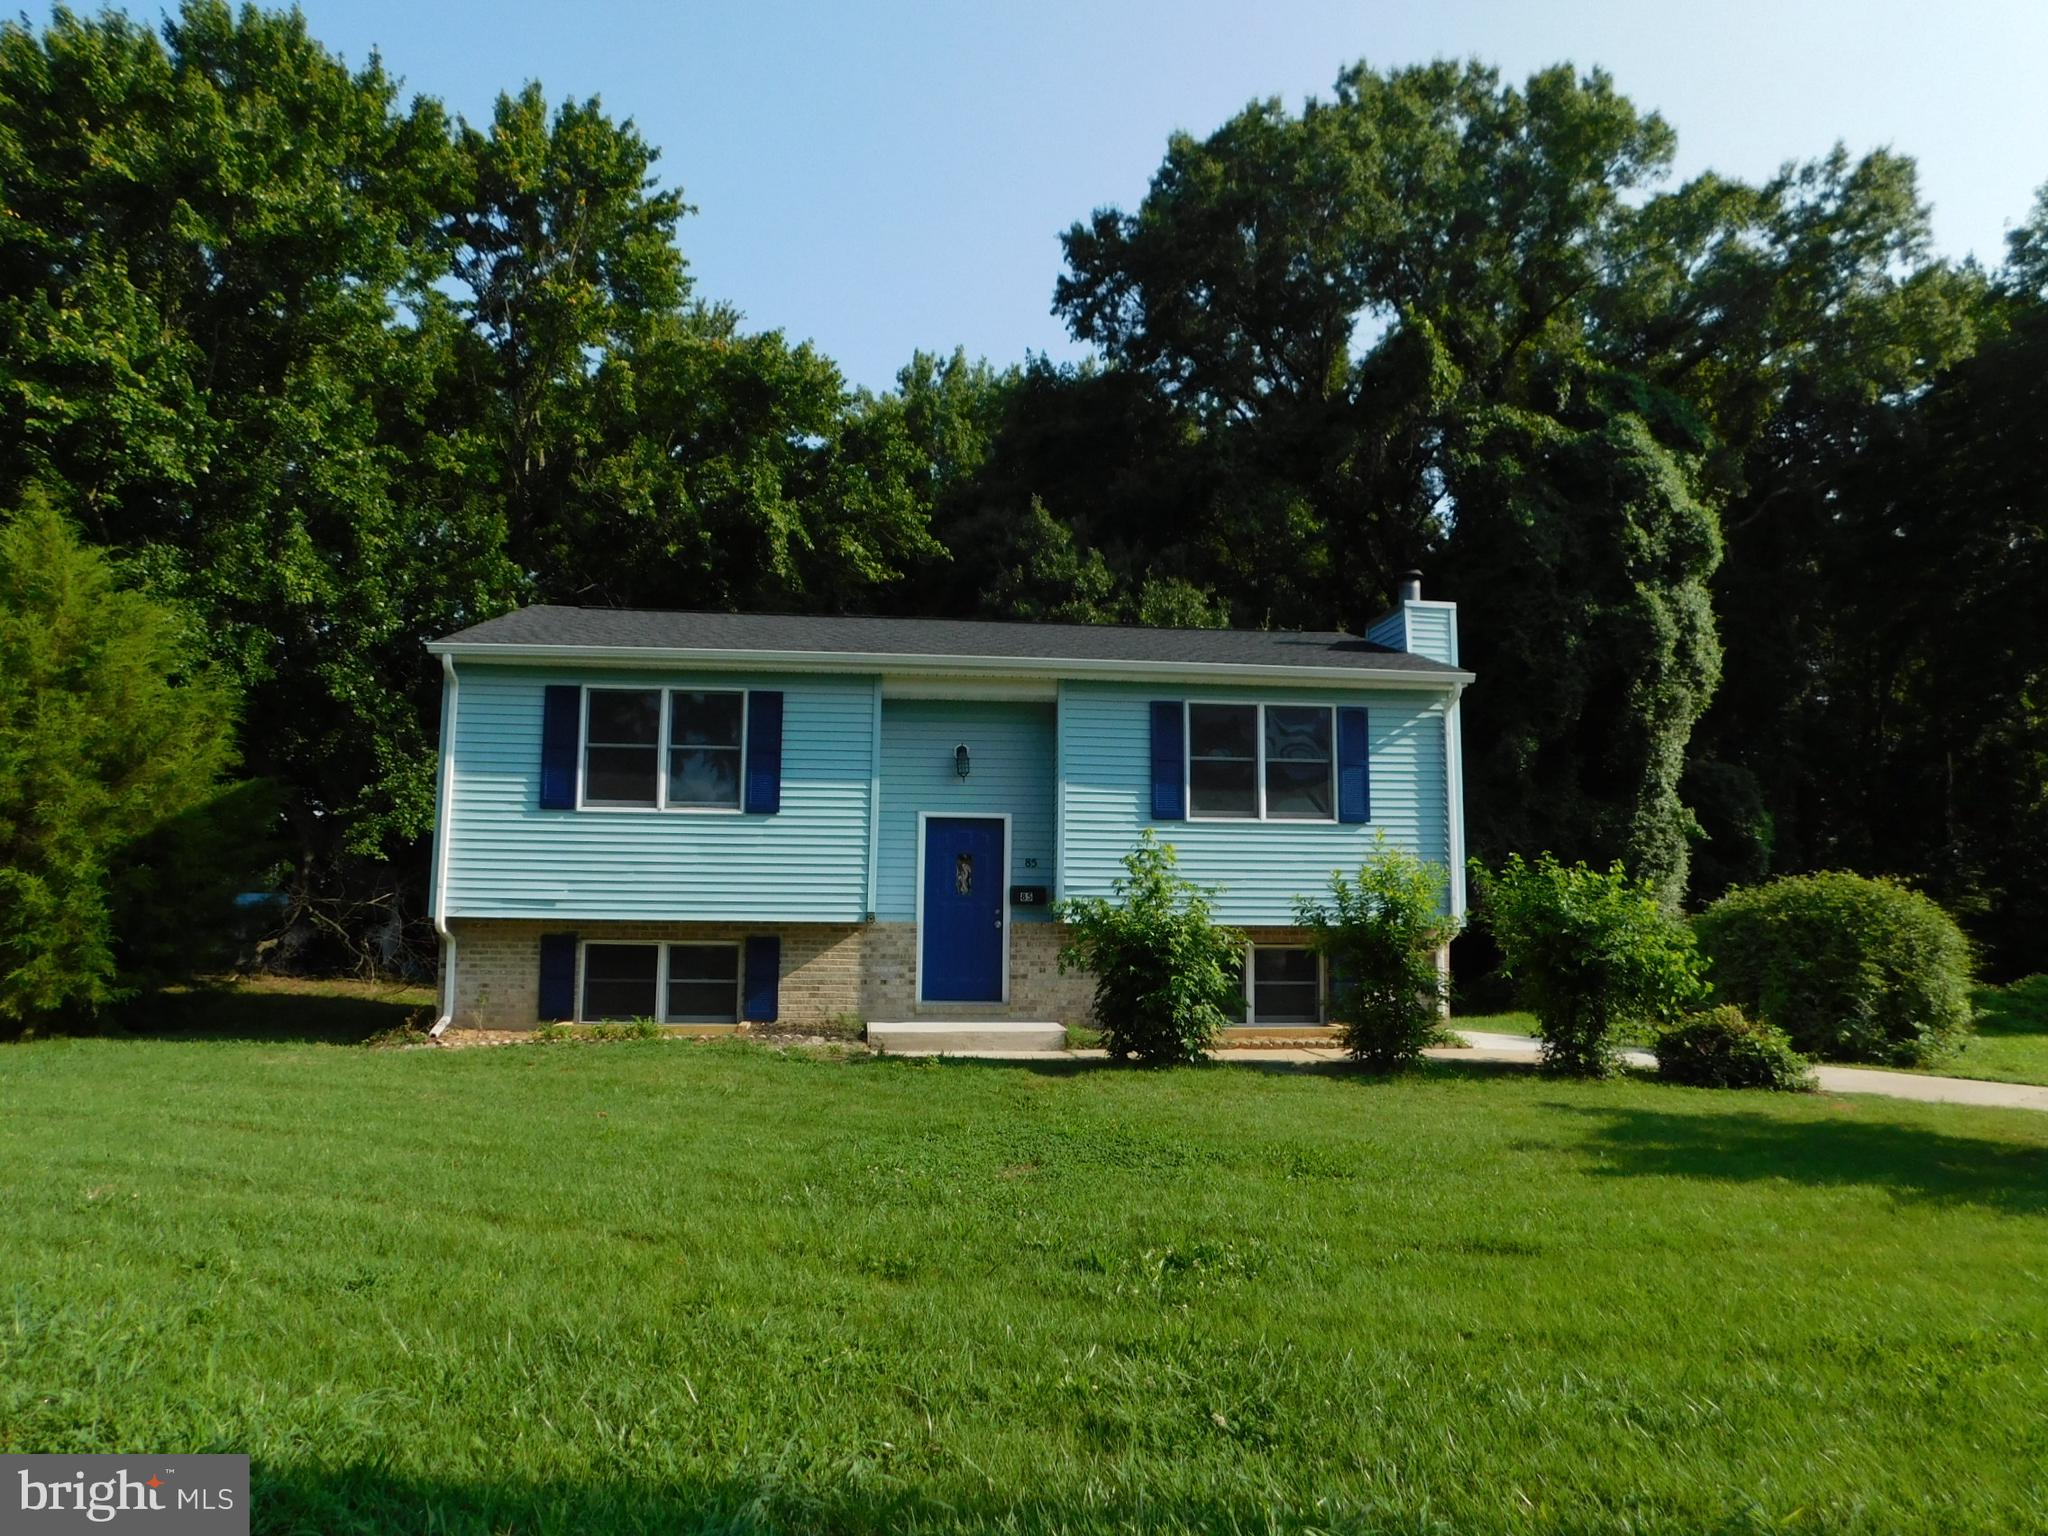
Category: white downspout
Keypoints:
(444, 815)
(1454, 785)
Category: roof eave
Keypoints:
(983, 666)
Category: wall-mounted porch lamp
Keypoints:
(960, 760)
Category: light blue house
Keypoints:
(714, 819)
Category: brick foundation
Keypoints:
(497, 966)
(831, 972)
(1037, 989)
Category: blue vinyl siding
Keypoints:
(1433, 631)
(806, 863)
(1106, 790)
(1011, 760)
(1423, 629)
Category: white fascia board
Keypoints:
(951, 666)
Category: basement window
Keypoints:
(703, 984)
(620, 981)
(1287, 986)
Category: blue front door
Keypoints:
(963, 910)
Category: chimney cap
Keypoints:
(1409, 585)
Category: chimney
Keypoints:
(1409, 588)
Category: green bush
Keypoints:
(1850, 968)
(1589, 951)
(1380, 935)
(1165, 974)
(1725, 1048)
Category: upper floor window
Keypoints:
(663, 747)
(704, 738)
(1298, 782)
(1249, 762)
(622, 747)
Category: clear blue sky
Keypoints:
(882, 176)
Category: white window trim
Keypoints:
(1258, 707)
(917, 955)
(661, 948)
(661, 804)
(1251, 1012)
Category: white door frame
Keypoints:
(917, 961)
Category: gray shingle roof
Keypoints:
(622, 629)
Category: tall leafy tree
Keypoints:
(220, 331)
(1383, 316)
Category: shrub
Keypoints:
(1380, 935)
(1725, 1048)
(1850, 968)
(1589, 951)
(1165, 974)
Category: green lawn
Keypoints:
(1496, 1023)
(2010, 1044)
(657, 1287)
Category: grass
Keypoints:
(2010, 1044)
(653, 1286)
(1497, 1023)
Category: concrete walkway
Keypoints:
(1484, 1046)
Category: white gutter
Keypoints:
(444, 816)
(983, 666)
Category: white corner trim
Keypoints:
(444, 818)
(874, 803)
(1454, 790)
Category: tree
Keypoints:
(1386, 315)
(115, 737)
(342, 375)
(221, 332)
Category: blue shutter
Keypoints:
(557, 976)
(561, 722)
(764, 972)
(1354, 774)
(764, 753)
(1169, 767)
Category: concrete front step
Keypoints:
(932, 1037)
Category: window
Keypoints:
(704, 749)
(1298, 756)
(1223, 760)
(1271, 762)
(672, 748)
(703, 984)
(622, 746)
(1286, 986)
(619, 981)
(672, 983)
